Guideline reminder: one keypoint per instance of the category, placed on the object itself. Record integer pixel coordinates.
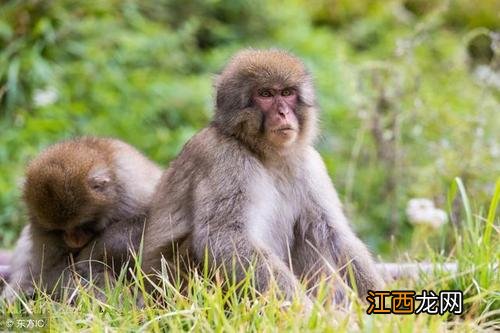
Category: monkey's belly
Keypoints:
(273, 229)
(272, 238)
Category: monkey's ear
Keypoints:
(21, 182)
(99, 179)
(307, 91)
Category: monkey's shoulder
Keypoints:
(312, 160)
(307, 164)
(211, 148)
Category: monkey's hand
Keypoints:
(111, 249)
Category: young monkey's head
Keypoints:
(69, 188)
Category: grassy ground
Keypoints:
(207, 308)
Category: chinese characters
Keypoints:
(403, 302)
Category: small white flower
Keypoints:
(422, 211)
(486, 75)
(45, 97)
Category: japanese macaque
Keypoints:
(250, 189)
(87, 200)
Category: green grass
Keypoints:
(142, 71)
(209, 304)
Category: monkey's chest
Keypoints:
(273, 215)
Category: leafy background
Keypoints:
(409, 91)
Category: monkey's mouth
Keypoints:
(284, 130)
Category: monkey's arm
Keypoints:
(111, 249)
(328, 237)
(169, 224)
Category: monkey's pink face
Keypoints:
(279, 105)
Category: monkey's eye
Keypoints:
(287, 92)
(265, 93)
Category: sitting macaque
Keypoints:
(87, 200)
(250, 190)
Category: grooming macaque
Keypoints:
(86, 198)
(251, 190)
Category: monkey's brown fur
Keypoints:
(57, 187)
(231, 193)
(99, 187)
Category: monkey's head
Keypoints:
(265, 98)
(69, 189)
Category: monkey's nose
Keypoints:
(283, 111)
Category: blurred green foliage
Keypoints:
(404, 110)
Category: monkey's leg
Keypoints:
(43, 261)
(5, 257)
(20, 280)
(49, 275)
(5, 269)
(4, 272)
